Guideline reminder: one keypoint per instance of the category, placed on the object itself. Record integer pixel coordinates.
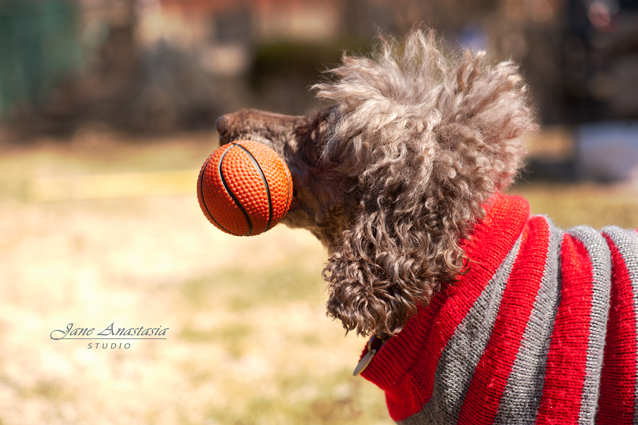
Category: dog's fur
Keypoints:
(394, 173)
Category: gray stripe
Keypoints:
(524, 388)
(600, 256)
(627, 243)
(461, 355)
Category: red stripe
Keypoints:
(567, 357)
(618, 376)
(409, 383)
(490, 378)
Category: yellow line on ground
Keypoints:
(121, 185)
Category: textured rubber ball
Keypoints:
(244, 188)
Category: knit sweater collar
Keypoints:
(424, 336)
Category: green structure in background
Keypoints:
(39, 47)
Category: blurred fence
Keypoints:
(160, 66)
(38, 48)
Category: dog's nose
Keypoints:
(221, 124)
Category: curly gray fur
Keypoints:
(393, 175)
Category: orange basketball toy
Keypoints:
(244, 188)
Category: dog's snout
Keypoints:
(221, 124)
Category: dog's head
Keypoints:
(393, 175)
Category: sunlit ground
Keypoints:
(248, 341)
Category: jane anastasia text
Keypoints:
(110, 332)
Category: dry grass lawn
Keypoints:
(248, 341)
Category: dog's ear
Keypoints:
(391, 261)
(403, 243)
(428, 141)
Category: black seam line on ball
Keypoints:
(263, 178)
(288, 181)
(232, 195)
(201, 193)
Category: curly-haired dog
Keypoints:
(480, 313)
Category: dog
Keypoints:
(477, 312)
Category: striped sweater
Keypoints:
(541, 329)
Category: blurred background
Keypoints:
(107, 111)
(162, 65)
(156, 67)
